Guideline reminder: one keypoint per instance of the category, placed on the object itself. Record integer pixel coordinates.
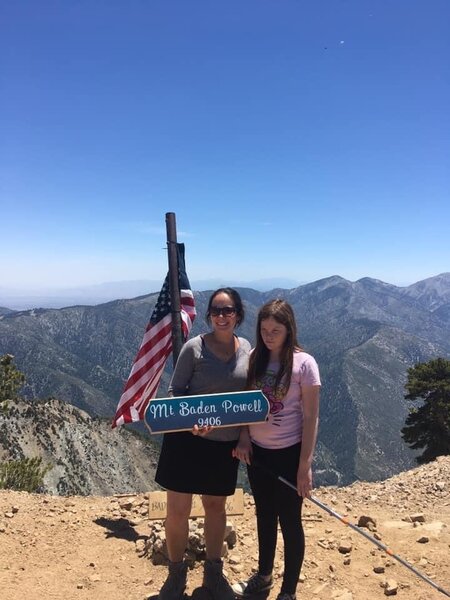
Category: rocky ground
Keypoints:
(85, 548)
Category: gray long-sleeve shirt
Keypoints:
(200, 371)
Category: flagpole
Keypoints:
(177, 332)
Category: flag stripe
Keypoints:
(151, 350)
(148, 366)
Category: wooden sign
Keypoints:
(164, 415)
(157, 505)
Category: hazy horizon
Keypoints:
(26, 299)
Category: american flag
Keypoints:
(143, 381)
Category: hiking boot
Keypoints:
(215, 582)
(175, 584)
(255, 585)
(285, 596)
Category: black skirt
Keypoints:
(195, 465)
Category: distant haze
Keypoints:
(25, 298)
(47, 297)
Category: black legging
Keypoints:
(275, 501)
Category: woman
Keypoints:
(282, 446)
(203, 463)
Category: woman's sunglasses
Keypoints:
(226, 311)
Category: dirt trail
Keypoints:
(85, 548)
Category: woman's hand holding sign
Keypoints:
(201, 431)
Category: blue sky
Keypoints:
(292, 139)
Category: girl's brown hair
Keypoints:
(282, 312)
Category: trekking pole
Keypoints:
(388, 551)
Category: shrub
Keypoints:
(25, 475)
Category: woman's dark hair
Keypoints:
(282, 312)
(237, 301)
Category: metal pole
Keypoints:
(388, 551)
(177, 332)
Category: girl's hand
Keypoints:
(243, 450)
(201, 431)
(304, 481)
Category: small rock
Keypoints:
(320, 589)
(345, 547)
(407, 519)
(423, 540)
(231, 539)
(417, 518)
(391, 588)
(367, 522)
(342, 595)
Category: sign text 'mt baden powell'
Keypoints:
(181, 413)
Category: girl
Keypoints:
(203, 463)
(282, 446)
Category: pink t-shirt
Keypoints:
(285, 423)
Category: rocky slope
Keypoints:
(85, 455)
(98, 548)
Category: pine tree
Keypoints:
(25, 475)
(11, 380)
(428, 425)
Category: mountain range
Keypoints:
(364, 335)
